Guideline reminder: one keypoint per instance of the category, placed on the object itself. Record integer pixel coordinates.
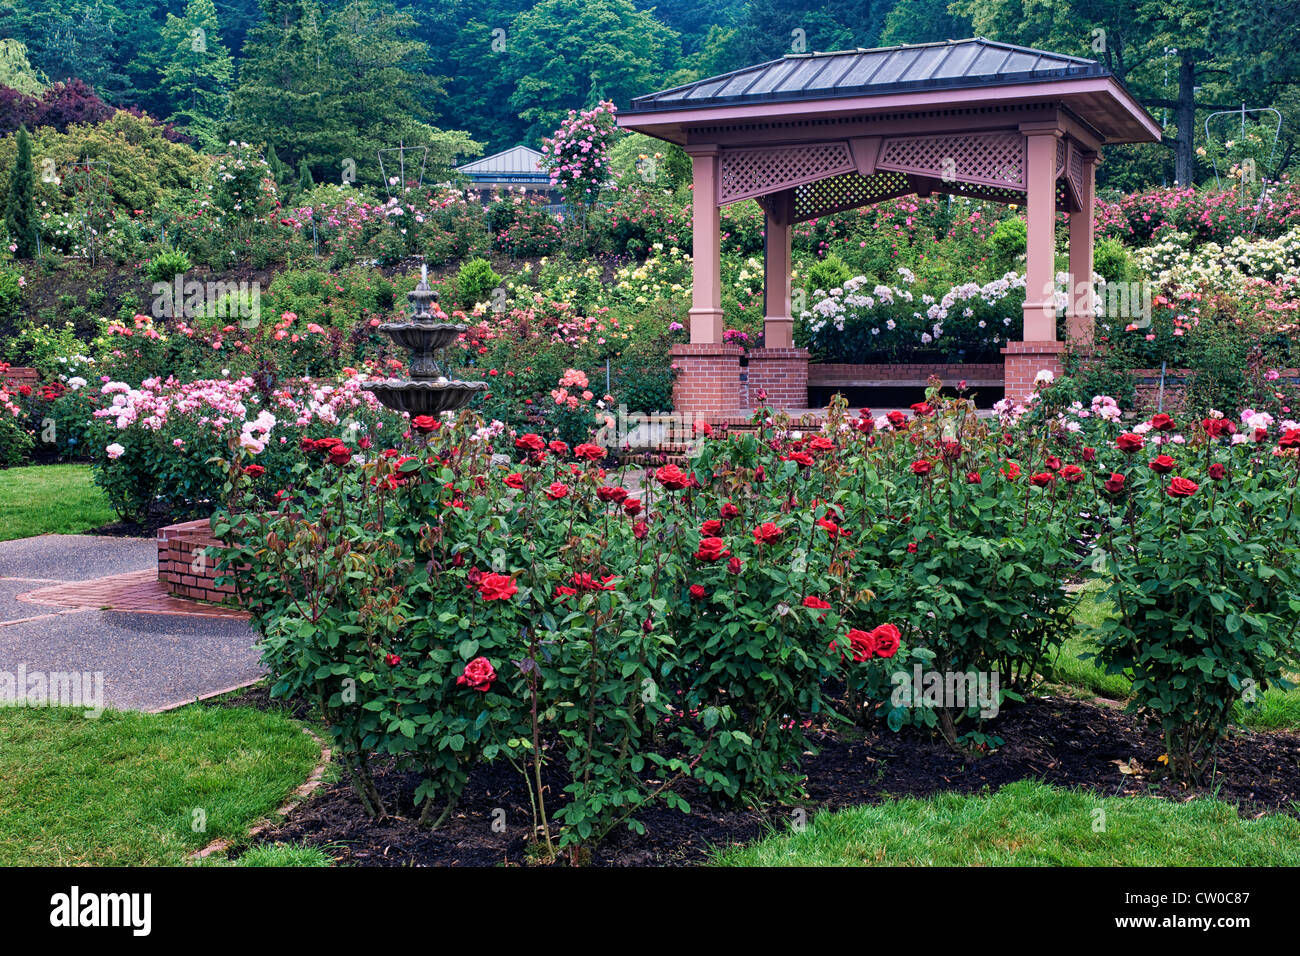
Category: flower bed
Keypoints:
(622, 649)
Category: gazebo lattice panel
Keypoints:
(847, 191)
(989, 159)
(746, 173)
(1076, 173)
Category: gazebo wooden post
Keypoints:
(708, 381)
(1081, 294)
(1040, 350)
(778, 320)
(706, 266)
(778, 369)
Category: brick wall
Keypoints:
(708, 378)
(1022, 363)
(186, 575)
(782, 374)
(19, 376)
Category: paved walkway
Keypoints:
(88, 604)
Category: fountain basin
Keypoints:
(422, 336)
(423, 397)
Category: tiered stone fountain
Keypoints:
(430, 389)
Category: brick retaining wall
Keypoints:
(184, 574)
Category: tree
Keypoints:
(196, 73)
(17, 72)
(565, 54)
(334, 89)
(20, 205)
(279, 172)
(305, 182)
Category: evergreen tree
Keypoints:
(20, 207)
(196, 73)
(279, 172)
(305, 181)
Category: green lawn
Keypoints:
(1031, 824)
(50, 499)
(124, 789)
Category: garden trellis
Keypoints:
(90, 181)
(401, 150)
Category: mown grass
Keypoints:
(126, 789)
(50, 499)
(1031, 824)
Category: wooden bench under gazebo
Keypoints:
(813, 134)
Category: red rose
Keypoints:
(1162, 422)
(392, 660)
(711, 549)
(1261, 434)
(1072, 473)
(821, 443)
(897, 419)
(558, 447)
(973, 478)
(886, 639)
(632, 507)
(861, 644)
(640, 530)
(711, 528)
(816, 603)
(324, 445)
(830, 527)
(1218, 427)
(734, 565)
(425, 424)
(759, 473)
(1182, 488)
(799, 457)
(340, 455)
(1053, 463)
(497, 587)
(1115, 483)
(1090, 454)
(1129, 443)
(766, 533)
(921, 408)
(557, 490)
(530, 442)
(306, 444)
(1042, 479)
(921, 467)
(697, 592)
(1162, 465)
(1289, 439)
(1011, 472)
(672, 478)
(589, 451)
(478, 675)
(729, 510)
(1218, 472)
(514, 480)
(255, 471)
(611, 493)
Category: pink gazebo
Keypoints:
(809, 135)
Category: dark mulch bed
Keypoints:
(133, 529)
(1060, 741)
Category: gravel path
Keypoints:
(147, 661)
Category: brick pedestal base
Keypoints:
(185, 573)
(782, 374)
(1023, 362)
(708, 378)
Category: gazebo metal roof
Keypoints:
(902, 74)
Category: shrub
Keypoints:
(476, 281)
(1199, 553)
(166, 265)
(829, 273)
